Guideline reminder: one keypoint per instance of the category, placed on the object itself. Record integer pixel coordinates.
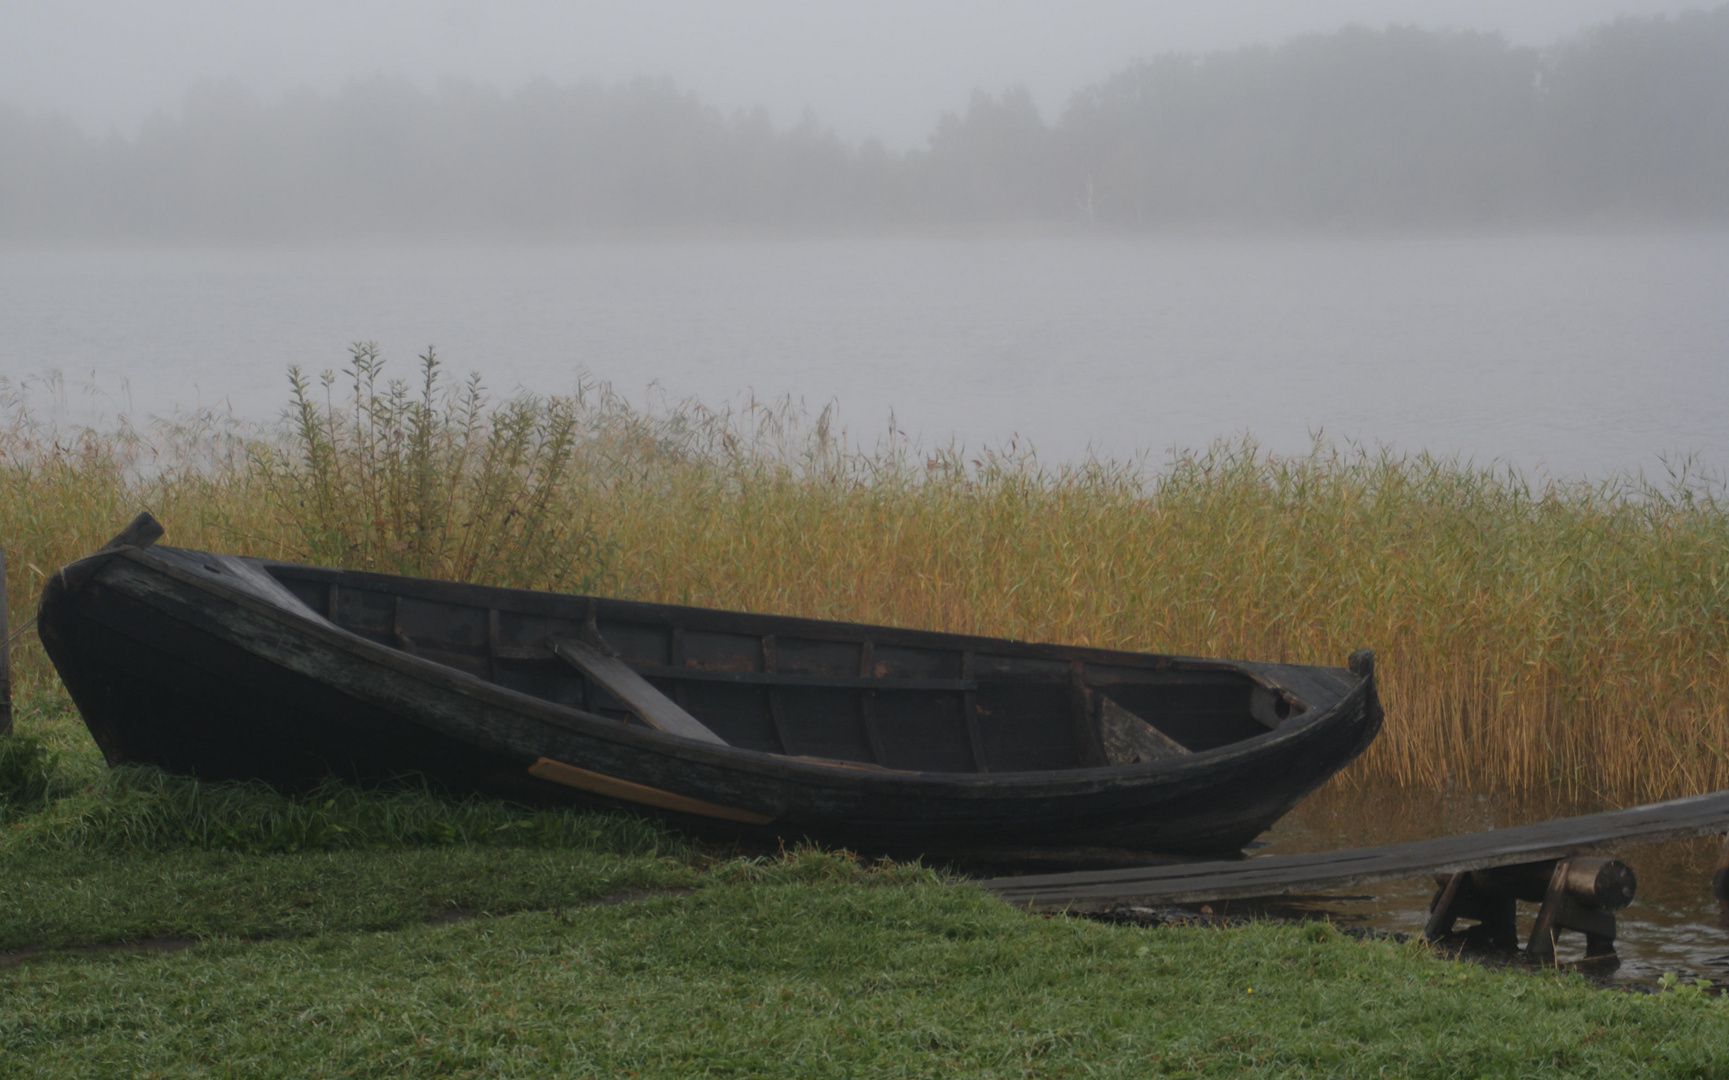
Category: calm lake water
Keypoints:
(1577, 355)
(1572, 354)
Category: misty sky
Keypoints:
(887, 68)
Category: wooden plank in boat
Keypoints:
(141, 532)
(656, 709)
(611, 786)
(1128, 739)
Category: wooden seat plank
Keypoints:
(1274, 875)
(656, 709)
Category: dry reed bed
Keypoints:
(1555, 639)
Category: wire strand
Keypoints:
(25, 625)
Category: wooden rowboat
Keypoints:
(885, 739)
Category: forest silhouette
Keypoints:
(1627, 122)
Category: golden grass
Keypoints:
(1562, 639)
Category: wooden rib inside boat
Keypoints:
(884, 738)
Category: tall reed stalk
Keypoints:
(1560, 638)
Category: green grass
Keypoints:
(69, 899)
(90, 855)
(56, 795)
(600, 945)
(840, 978)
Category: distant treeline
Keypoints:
(1625, 122)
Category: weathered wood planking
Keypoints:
(1275, 875)
(1720, 883)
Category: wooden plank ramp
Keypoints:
(1276, 875)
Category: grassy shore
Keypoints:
(393, 933)
(1534, 638)
(807, 979)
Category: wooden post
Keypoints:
(1444, 908)
(1576, 894)
(1465, 895)
(1542, 946)
(1720, 883)
(1583, 895)
(5, 655)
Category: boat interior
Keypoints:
(868, 697)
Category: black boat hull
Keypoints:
(177, 659)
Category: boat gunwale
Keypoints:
(831, 630)
(1044, 783)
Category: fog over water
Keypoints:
(1479, 229)
(1576, 355)
(1400, 126)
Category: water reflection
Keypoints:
(1672, 925)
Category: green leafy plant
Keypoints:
(1690, 989)
(432, 480)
